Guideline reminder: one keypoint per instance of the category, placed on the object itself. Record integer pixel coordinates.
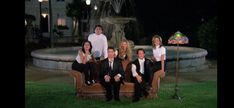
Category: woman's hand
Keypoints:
(162, 73)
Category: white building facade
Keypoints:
(58, 7)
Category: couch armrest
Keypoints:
(78, 79)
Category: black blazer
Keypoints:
(117, 69)
(147, 69)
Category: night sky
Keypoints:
(165, 17)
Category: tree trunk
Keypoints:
(75, 30)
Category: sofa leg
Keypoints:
(75, 87)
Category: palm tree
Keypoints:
(74, 10)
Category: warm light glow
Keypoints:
(61, 21)
(40, 0)
(88, 2)
(95, 7)
(25, 22)
(178, 38)
(44, 15)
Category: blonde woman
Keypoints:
(124, 54)
(159, 57)
(124, 51)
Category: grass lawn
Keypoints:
(61, 95)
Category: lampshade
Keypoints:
(44, 14)
(88, 2)
(178, 38)
(95, 7)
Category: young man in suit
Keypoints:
(111, 75)
(141, 72)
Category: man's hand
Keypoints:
(139, 79)
(107, 78)
(117, 78)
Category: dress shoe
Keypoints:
(87, 83)
(93, 81)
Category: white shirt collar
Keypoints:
(110, 60)
(141, 60)
(157, 46)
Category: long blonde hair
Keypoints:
(160, 39)
(122, 51)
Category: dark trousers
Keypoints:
(87, 68)
(140, 89)
(112, 86)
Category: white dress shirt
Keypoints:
(158, 52)
(141, 62)
(99, 43)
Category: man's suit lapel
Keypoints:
(114, 65)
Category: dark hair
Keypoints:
(140, 49)
(89, 44)
(111, 48)
(98, 26)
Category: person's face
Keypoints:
(111, 53)
(141, 54)
(86, 46)
(124, 45)
(156, 41)
(98, 30)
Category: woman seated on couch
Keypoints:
(85, 62)
(159, 57)
(124, 53)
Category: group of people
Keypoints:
(111, 74)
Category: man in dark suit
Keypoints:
(111, 75)
(141, 72)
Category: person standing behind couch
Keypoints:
(99, 42)
(159, 57)
(85, 62)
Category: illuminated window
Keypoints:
(61, 21)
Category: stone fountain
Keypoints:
(118, 23)
(118, 31)
(191, 59)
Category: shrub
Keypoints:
(207, 35)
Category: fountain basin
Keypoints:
(190, 59)
(118, 19)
